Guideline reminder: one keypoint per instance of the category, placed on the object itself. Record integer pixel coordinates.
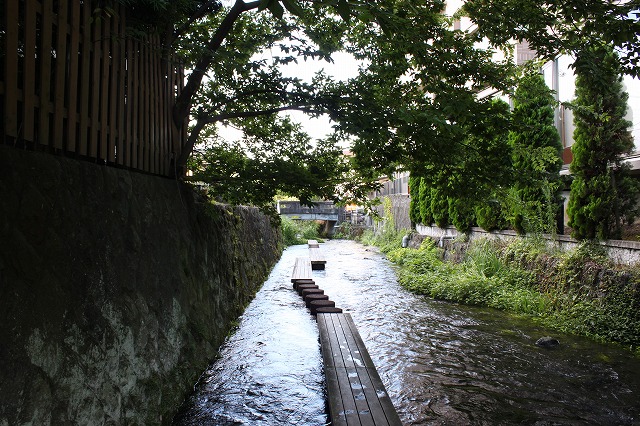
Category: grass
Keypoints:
(578, 292)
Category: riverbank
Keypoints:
(579, 291)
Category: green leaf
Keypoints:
(344, 10)
(264, 4)
(276, 9)
(293, 7)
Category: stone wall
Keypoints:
(621, 252)
(116, 289)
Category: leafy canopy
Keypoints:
(562, 26)
(410, 107)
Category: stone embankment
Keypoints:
(116, 289)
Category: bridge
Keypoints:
(324, 211)
(321, 210)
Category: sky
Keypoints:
(343, 68)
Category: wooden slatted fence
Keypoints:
(73, 81)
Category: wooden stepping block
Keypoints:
(329, 310)
(305, 281)
(314, 305)
(313, 244)
(306, 286)
(308, 291)
(311, 297)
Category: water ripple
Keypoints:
(442, 364)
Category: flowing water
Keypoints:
(442, 364)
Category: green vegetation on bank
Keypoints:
(298, 231)
(579, 291)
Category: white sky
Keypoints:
(343, 68)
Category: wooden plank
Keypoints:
(355, 342)
(355, 392)
(105, 61)
(301, 270)
(325, 341)
(134, 56)
(155, 102)
(44, 136)
(313, 243)
(129, 110)
(74, 46)
(29, 98)
(85, 96)
(317, 259)
(61, 78)
(94, 125)
(146, 118)
(11, 69)
(114, 99)
(121, 152)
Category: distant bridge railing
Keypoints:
(321, 210)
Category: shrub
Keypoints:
(298, 231)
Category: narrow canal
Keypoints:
(442, 364)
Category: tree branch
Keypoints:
(208, 7)
(181, 161)
(184, 101)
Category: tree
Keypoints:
(473, 174)
(537, 156)
(553, 27)
(425, 210)
(405, 108)
(414, 203)
(603, 196)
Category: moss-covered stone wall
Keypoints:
(116, 289)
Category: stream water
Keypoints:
(442, 364)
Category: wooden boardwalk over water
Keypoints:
(355, 391)
(354, 388)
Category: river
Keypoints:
(442, 363)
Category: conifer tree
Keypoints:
(414, 204)
(537, 160)
(603, 196)
(426, 212)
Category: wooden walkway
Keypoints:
(317, 259)
(301, 270)
(354, 389)
(355, 392)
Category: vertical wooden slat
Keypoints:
(183, 135)
(130, 112)
(105, 48)
(61, 77)
(11, 70)
(173, 91)
(95, 88)
(45, 70)
(72, 85)
(136, 57)
(145, 105)
(114, 42)
(163, 87)
(122, 72)
(155, 121)
(30, 100)
(85, 96)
